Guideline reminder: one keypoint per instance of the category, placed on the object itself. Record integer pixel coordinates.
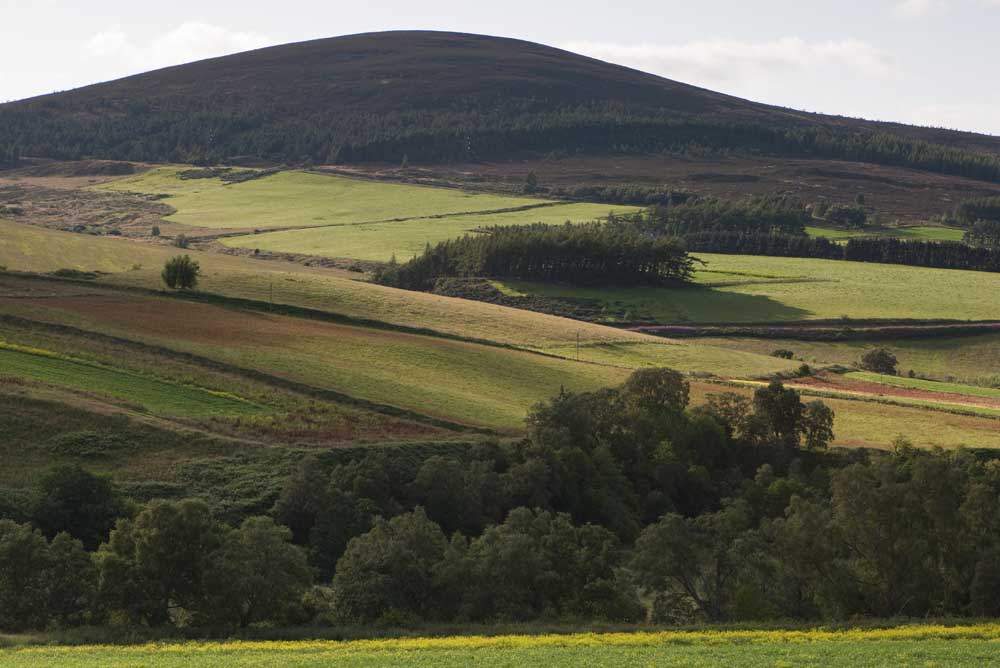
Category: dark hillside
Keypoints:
(443, 97)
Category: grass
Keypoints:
(929, 385)
(155, 395)
(34, 249)
(966, 359)
(27, 248)
(939, 646)
(746, 288)
(916, 232)
(466, 382)
(301, 199)
(406, 239)
(679, 355)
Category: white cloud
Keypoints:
(186, 43)
(725, 62)
(970, 117)
(916, 9)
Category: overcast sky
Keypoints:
(929, 62)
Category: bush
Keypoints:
(879, 360)
(783, 354)
(181, 273)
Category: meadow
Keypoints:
(406, 239)
(746, 288)
(302, 199)
(971, 360)
(939, 646)
(153, 394)
(916, 232)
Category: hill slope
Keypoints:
(439, 97)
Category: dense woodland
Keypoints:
(939, 254)
(211, 133)
(594, 253)
(624, 504)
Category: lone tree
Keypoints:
(879, 360)
(181, 273)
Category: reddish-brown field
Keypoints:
(840, 383)
(893, 192)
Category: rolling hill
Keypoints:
(439, 97)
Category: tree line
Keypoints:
(212, 129)
(583, 254)
(762, 214)
(624, 504)
(886, 250)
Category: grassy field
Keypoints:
(26, 248)
(300, 199)
(745, 288)
(335, 292)
(467, 382)
(916, 232)
(406, 239)
(966, 359)
(939, 646)
(153, 394)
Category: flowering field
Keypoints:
(923, 645)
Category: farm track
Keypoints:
(251, 374)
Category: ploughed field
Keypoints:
(918, 645)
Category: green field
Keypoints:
(938, 646)
(967, 359)
(406, 239)
(917, 232)
(748, 288)
(301, 199)
(153, 394)
(27, 248)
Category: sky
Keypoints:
(926, 62)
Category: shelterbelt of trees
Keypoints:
(589, 253)
(651, 247)
(939, 254)
(623, 504)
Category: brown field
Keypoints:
(893, 192)
(840, 383)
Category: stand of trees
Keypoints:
(761, 214)
(593, 253)
(985, 233)
(730, 511)
(939, 254)
(979, 209)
